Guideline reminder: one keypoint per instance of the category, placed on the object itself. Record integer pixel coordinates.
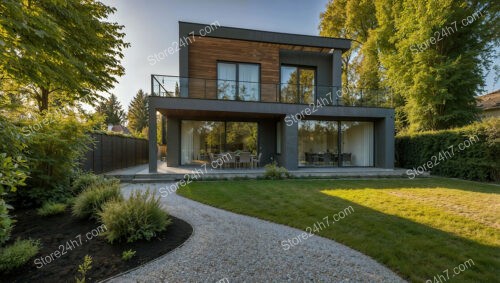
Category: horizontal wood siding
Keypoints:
(204, 53)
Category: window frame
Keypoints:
(237, 64)
(300, 67)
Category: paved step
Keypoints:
(162, 177)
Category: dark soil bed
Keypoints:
(54, 231)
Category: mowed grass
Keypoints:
(418, 228)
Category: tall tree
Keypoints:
(61, 51)
(138, 114)
(112, 110)
(437, 66)
(430, 53)
(353, 19)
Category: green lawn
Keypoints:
(418, 228)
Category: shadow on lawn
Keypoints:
(411, 248)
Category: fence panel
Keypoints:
(111, 152)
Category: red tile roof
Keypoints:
(489, 101)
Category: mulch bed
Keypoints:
(57, 230)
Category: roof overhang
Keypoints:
(187, 29)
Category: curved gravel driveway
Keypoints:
(235, 248)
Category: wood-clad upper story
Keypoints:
(199, 60)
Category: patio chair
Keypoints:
(245, 158)
(256, 161)
(327, 158)
(346, 157)
(315, 158)
(231, 160)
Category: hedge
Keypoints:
(471, 152)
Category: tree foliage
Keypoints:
(55, 144)
(138, 114)
(112, 110)
(429, 53)
(59, 52)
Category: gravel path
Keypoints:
(234, 248)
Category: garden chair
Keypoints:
(256, 161)
(245, 159)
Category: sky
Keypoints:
(151, 26)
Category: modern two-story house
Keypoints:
(275, 95)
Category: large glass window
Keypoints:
(318, 143)
(200, 139)
(297, 84)
(241, 136)
(357, 143)
(226, 81)
(238, 81)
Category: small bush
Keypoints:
(90, 202)
(274, 172)
(127, 255)
(83, 268)
(17, 254)
(51, 208)
(84, 181)
(139, 217)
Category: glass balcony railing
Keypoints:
(196, 88)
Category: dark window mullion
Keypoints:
(237, 79)
(339, 141)
(298, 85)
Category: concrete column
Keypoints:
(384, 142)
(267, 141)
(390, 142)
(336, 74)
(289, 148)
(153, 147)
(173, 142)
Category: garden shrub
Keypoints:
(90, 202)
(274, 172)
(13, 171)
(17, 254)
(51, 208)
(5, 222)
(55, 143)
(128, 255)
(83, 181)
(480, 161)
(139, 217)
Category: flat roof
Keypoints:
(188, 29)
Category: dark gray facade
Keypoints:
(271, 116)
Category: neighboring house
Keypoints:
(119, 129)
(489, 104)
(242, 90)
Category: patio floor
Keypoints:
(165, 173)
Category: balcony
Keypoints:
(197, 88)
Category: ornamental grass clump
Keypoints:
(139, 217)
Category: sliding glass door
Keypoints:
(357, 143)
(297, 84)
(318, 143)
(335, 143)
(238, 81)
(200, 139)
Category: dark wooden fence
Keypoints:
(115, 152)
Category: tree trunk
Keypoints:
(43, 101)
